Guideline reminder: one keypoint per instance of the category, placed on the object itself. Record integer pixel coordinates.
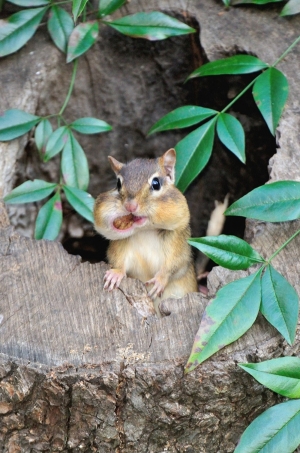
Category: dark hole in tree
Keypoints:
(131, 84)
(224, 173)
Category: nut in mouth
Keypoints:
(124, 222)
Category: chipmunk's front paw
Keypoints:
(113, 278)
(159, 283)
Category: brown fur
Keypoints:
(159, 250)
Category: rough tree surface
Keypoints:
(82, 370)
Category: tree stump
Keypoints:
(87, 370)
(84, 370)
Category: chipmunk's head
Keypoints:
(145, 196)
(140, 179)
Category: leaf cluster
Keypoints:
(74, 167)
(74, 36)
(270, 92)
(276, 429)
(236, 306)
(224, 319)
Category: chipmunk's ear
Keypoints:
(115, 164)
(168, 161)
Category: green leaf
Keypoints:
(275, 202)
(81, 39)
(292, 7)
(280, 375)
(42, 134)
(56, 142)
(74, 165)
(277, 430)
(228, 251)
(238, 64)
(270, 93)
(231, 134)
(18, 29)
(60, 26)
(49, 219)
(81, 201)
(77, 8)
(254, 2)
(280, 305)
(30, 191)
(29, 3)
(14, 123)
(109, 6)
(90, 126)
(185, 116)
(226, 318)
(193, 153)
(153, 26)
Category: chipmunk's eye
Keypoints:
(155, 185)
(119, 184)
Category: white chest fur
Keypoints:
(145, 255)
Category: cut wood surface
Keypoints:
(84, 370)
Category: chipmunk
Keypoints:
(146, 219)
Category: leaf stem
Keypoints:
(283, 245)
(94, 11)
(287, 51)
(70, 87)
(253, 81)
(239, 95)
(50, 116)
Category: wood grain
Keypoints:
(82, 369)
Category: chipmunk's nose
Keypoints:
(131, 206)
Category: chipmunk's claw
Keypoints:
(157, 289)
(112, 279)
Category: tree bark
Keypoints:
(87, 370)
(84, 370)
